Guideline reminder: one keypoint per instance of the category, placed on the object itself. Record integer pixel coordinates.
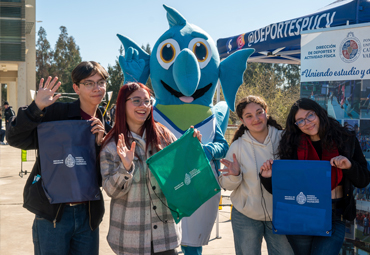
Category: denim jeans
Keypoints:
(320, 245)
(71, 236)
(248, 234)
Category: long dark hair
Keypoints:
(155, 132)
(239, 111)
(331, 132)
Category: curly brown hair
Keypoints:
(239, 111)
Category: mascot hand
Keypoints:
(131, 65)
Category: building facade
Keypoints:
(18, 50)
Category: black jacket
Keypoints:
(358, 175)
(22, 133)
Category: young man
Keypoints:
(8, 112)
(62, 228)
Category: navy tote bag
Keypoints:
(68, 161)
(302, 197)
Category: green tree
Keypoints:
(44, 56)
(255, 70)
(115, 80)
(290, 74)
(149, 51)
(269, 82)
(66, 58)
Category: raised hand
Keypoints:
(341, 162)
(131, 65)
(97, 129)
(197, 134)
(266, 168)
(45, 94)
(232, 167)
(126, 155)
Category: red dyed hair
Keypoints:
(154, 130)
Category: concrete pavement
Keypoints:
(16, 222)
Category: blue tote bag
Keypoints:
(68, 161)
(302, 197)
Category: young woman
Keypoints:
(255, 141)
(140, 221)
(311, 134)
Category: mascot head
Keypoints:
(184, 64)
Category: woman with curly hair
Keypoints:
(311, 134)
(255, 141)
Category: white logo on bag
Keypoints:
(70, 161)
(187, 179)
(301, 198)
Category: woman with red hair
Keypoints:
(140, 220)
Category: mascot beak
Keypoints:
(186, 73)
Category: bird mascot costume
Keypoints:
(184, 69)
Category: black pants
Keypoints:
(2, 135)
(169, 252)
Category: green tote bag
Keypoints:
(184, 175)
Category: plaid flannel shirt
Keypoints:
(137, 216)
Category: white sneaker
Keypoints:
(2, 143)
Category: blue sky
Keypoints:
(94, 24)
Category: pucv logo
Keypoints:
(70, 161)
(187, 179)
(301, 198)
(350, 48)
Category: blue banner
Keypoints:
(286, 34)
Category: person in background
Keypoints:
(255, 141)
(112, 113)
(8, 113)
(366, 226)
(2, 131)
(311, 134)
(70, 228)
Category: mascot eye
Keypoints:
(201, 50)
(167, 53)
